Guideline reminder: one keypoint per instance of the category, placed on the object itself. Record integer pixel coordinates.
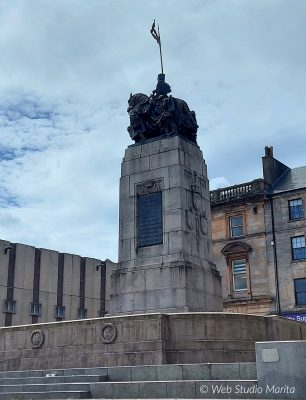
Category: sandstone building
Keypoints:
(258, 232)
(40, 285)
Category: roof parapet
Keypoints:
(237, 192)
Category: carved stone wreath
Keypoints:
(109, 333)
(37, 339)
(151, 186)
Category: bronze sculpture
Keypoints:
(159, 114)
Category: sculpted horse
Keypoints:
(160, 115)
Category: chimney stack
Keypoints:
(272, 168)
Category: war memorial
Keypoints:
(166, 335)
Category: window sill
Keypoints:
(297, 261)
(237, 300)
(236, 237)
(242, 294)
(296, 219)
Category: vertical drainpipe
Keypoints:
(10, 281)
(82, 283)
(278, 306)
(250, 279)
(102, 289)
(60, 282)
(36, 280)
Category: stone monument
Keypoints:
(165, 255)
(165, 270)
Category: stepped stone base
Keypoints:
(166, 287)
(141, 339)
(192, 389)
(164, 381)
(179, 381)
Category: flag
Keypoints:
(154, 33)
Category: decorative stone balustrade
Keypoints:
(236, 192)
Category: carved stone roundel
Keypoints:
(37, 339)
(109, 333)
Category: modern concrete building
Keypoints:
(40, 285)
(258, 232)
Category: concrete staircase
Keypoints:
(52, 384)
(185, 381)
(147, 382)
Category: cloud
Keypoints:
(55, 190)
(218, 182)
(67, 69)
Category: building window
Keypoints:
(296, 210)
(300, 291)
(10, 306)
(298, 247)
(82, 313)
(239, 275)
(59, 312)
(236, 226)
(35, 309)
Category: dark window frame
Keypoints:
(296, 211)
(296, 292)
(298, 252)
(59, 312)
(233, 274)
(232, 227)
(35, 309)
(9, 306)
(82, 313)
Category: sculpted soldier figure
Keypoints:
(160, 114)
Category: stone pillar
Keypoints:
(165, 253)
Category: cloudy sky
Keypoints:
(67, 68)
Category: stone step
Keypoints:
(183, 389)
(223, 371)
(183, 372)
(149, 381)
(48, 387)
(54, 379)
(45, 395)
(58, 372)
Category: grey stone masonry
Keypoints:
(142, 339)
(124, 382)
(280, 368)
(165, 262)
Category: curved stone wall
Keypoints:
(142, 339)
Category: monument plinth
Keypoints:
(165, 259)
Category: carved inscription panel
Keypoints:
(150, 227)
(149, 213)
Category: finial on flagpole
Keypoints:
(156, 35)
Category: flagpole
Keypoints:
(160, 52)
(156, 36)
